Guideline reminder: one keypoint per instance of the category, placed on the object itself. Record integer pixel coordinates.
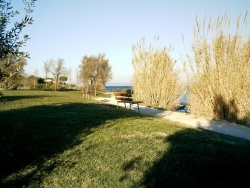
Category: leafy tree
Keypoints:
(96, 71)
(63, 79)
(10, 42)
(9, 39)
(12, 69)
(40, 80)
(31, 81)
(105, 72)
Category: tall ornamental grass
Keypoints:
(219, 82)
(155, 79)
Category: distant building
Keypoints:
(49, 80)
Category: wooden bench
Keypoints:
(126, 98)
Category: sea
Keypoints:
(115, 88)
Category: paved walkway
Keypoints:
(220, 126)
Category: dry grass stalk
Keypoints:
(155, 80)
(220, 78)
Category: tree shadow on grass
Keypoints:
(19, 97)
(31, 136)
(199, 158)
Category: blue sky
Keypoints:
(72, 29)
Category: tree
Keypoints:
(63, 79)
(12, 69)
(95, 71)
(105, 72)
(46, 70)
(78, 75)
(10, 43)
(56, 69)
(36, 77)
(40, 80)
(69, 74)
(30, 81)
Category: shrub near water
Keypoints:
(220, 84)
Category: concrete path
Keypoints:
(220, 126)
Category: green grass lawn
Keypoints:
(59, 139)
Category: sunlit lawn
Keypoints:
(59, 139)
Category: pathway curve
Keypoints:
(220, 126)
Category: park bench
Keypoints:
(126, 98)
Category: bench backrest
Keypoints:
(122, 96)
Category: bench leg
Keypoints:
(125, 105)
(138, 107)
(130, 105)
(117, 105)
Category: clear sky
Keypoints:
(71, 29)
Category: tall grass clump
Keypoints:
(220, 70)
(155, 79)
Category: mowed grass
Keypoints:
(59, 139)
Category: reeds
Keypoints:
(220, 71)
(155, 80)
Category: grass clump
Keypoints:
(59, 139)
(219, 82)
(155, 80)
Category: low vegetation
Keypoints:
(59, 139)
